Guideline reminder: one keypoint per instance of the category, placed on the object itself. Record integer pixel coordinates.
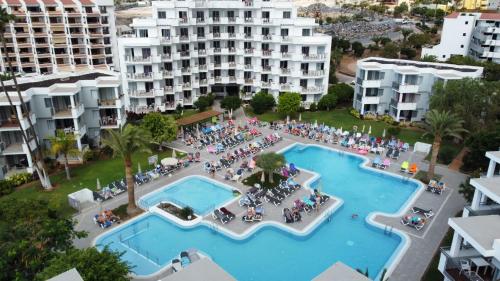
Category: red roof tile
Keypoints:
(490, 16)
(87, 3)
(68, 3)
(31, 2)
(13, 2)
(49, 2)
(453, 15)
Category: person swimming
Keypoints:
(354, 216)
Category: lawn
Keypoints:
(342, 118)
(83, 176)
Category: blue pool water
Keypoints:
(198, 193)
(274, 254)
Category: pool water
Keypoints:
(199, 193)
(274, 254)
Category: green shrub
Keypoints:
(20, 179)
(354, 113)
(88, 155)
(262, 102)
(6, 187)
(186, 212)
(446, 154)
(393, 131)
(313, 107)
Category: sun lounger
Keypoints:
(287, 215)
(404, 166)
(227, 213)
(218, 215)
(413, 221)
(413, 169)
(176, 265)
(185, 260)
(427, 213)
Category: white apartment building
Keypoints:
(468, 34)
(77, 104)
(401, 88)
(226, 47)
(49, 36)
(474, 253)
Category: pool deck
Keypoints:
(423, 244)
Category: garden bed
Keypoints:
(185, 213)
(255, 178)
(121, 212)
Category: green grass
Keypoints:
(83, 176)
(342, 118)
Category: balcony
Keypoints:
(286, 71)
(130, 59)
(68, 112)
(370, 99)
(267, 37)
(285, 87)
(146, 93)
(109, 122)
(313, 73)
(450, 267)
(247, 96)
(286, 55)
(248, 51)
(312, 90)
(167, 74)
(405, 88)
(248, 66)
(109, 103)
(371, 83)
(267, 53)
(314, 56)
(12, 124)
(140, 76)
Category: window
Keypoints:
(287, 15)
(306, 32)
(143, 33)
(162, 14)
(462, 46)
(284, 32)
(466, 22)
(50, 124)
(48, 102)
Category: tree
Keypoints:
(336, 57)
(64, 144)
(376, 40)
(90, 263)
(163, 128)
(409, 53)
(478, 144)
(417, 40)
(231, 103)
(385, 40)
(269, 162)
(441, 124)
(391, 51)
(124, 143)
(358, 49)
(401, 9)
(327, 102)
(466, 189)
(343, 92)
(202, 103)
(5, 19)
(289, 103)
(476, 101)
(31, 234)
(406, 32)
(262, 102)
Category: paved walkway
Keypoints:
(457, 163)
(423, 243)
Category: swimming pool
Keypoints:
(274, 254)
(199, 193)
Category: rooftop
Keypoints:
(50, 82)
(409, 63)
(198, 117)
(494, 155)
(489, 186)
(479, 231)
(71, 274)
(340, 272)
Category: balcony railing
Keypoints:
(138, 59)
(313, 56)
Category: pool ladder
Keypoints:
(388, 230)
(214, 227)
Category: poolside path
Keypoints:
(423, 244)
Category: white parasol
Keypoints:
(139, 170)
(383, 133)
(169, 161)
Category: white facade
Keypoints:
(469, 34)
(401, 88)
(50, 36)
(191, 48)
(476, 240)
(79, 104)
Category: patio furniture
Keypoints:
(480, 262)
(464, 266)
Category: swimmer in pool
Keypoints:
(354, 216)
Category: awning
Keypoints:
(198, 117)
(169, 161)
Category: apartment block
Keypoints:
(481, 4)
(468, 34)
(227, 47)
(401, 88)
(474, 253)
(81, 104)
(50, 36)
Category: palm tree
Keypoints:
(130, 139)
(440, 125)
(269, 162)
(406, 32)
(65, 144)
(5, 19)
(376, 40)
